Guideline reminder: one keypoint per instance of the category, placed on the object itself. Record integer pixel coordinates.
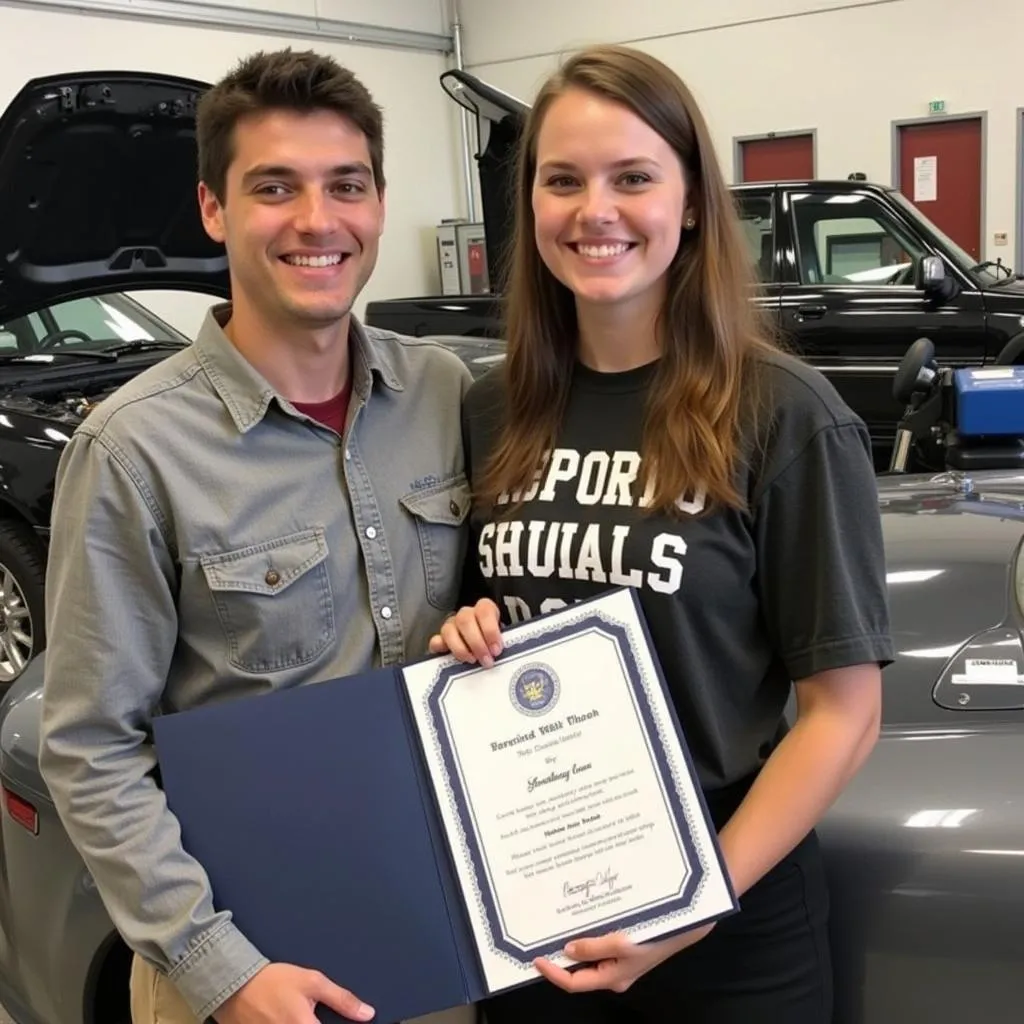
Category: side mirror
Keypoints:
(931, 272)
(931, 277)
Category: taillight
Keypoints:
(21, 811)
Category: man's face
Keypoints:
(301, 217)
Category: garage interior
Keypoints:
(869, 144)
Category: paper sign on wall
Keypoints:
(926, 185)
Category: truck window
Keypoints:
(756, 220)
(850, 239)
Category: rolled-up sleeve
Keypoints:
(112, 626)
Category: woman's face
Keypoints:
(609, 201)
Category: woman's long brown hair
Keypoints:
(711, 329)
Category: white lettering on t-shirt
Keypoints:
(518, 610)
(507, 548)
(624, 469)
(618, 577)
(665, 543)
(534, 565)
(578, 547)
(565, 566)
(692, 504)
(593, 474)
(588, 560)
(564, 465)
(483, 550)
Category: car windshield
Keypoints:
(85, 324)
(984, 275)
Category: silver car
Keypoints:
(925, 849)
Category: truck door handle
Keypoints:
(811, 312)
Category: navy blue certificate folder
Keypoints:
(308, 810)
(336, 824)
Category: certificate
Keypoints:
(421, 833)
(565, 790)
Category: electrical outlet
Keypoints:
(1001, 238)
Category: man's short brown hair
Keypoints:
(283, 80)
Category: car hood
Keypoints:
(1014, 287)
(952, 547)
(499, 120)
(98, 190)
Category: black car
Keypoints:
(97, 197)
(852, 272)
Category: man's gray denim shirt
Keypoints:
(211, 542)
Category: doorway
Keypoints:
(939, 165)
(779, 156)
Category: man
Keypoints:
(280, 504)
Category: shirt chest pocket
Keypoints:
(274, 601)
(440, 511)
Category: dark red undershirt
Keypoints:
(330, 413)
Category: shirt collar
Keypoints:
(247, 394)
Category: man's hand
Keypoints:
(613, 961)
(285, 994)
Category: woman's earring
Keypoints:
(690, 223)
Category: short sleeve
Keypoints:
(821, 557)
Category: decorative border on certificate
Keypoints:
(534, 689)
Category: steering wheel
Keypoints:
(903, 276)
(55, 338)
(916, 371)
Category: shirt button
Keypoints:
(385, 612)
(371, 532)
(348, 454)
(272, 578)
(453, 507)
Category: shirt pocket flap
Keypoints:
(446, 503)
(266, 568)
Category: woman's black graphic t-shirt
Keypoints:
(739, 603)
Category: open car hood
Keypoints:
(500, 119)
(98, 190)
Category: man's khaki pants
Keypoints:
(156, 1001)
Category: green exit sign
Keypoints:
(937, 107)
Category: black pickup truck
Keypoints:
(852, 271)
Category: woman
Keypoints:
(644, 431)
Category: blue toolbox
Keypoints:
(990, 401)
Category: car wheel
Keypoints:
(22, 583)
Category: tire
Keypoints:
(22, 608)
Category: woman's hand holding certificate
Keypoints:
(568, 798)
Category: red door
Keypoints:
(940, 173)
(782, 158)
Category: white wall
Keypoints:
(848, 70)
(415, 15)
(422, 158)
